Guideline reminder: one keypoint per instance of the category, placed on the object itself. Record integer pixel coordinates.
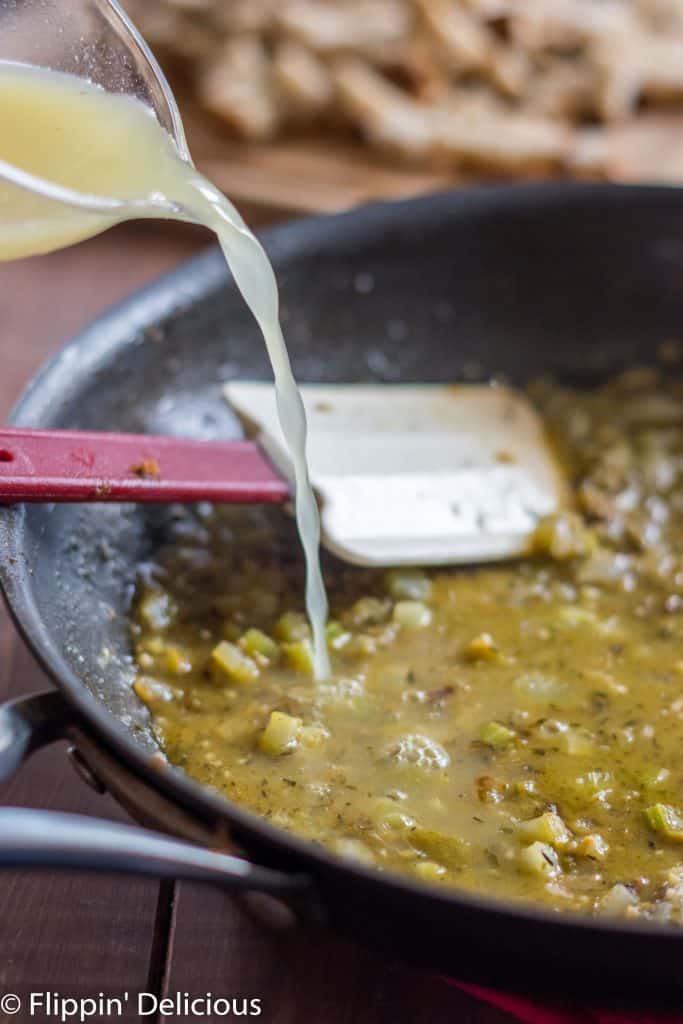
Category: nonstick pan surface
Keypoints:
(576, 281)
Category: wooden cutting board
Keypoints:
(310, 176)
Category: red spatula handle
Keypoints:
(69, 465)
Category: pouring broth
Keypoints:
(71, 133)
(513, 730)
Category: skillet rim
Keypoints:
(169, 295)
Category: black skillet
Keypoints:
(578, 281)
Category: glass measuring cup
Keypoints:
(94, 40)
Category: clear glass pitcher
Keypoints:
(94, 40)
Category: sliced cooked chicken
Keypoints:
(363, 27)
(385, 114)
(303, 79)
(502, 142)
(237, 87)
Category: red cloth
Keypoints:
(535, 1013)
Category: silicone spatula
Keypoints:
(405, 474)
(417, 474)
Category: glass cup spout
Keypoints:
(94, 40)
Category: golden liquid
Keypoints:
(73, 134)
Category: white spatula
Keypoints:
(414, 474)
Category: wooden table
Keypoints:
(79, 935)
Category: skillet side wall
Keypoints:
(577, 281)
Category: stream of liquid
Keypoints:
(73, 134)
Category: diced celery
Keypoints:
(292, 626)
(360, 646)
(449, 850)
(482, 648)
(367, 611)
(496, 735)
(157, 610)
(229, 661)
(593, 846)
(398, 820)
(155, 645)
(666, 820)
(281, 734)
(176, 662)
(152, 691)
(256, 642)
(337, 636)
(562, 536)
(617, 901)
(299, 656)
(578, 741)
(429, 870)
(388, 812)
(546, 828)
(353, 849)
(408, 584)
(490, 790)
(412, 614)
(539, 859)
(313, 735)
(572, 617)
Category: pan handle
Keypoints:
(49, 839)
(27, 724)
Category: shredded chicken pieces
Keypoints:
(515, 87)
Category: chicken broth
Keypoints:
(67, 131)
(512, 729)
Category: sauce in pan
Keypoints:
(514, 729)
(511, 729)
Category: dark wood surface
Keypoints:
(78, 935)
